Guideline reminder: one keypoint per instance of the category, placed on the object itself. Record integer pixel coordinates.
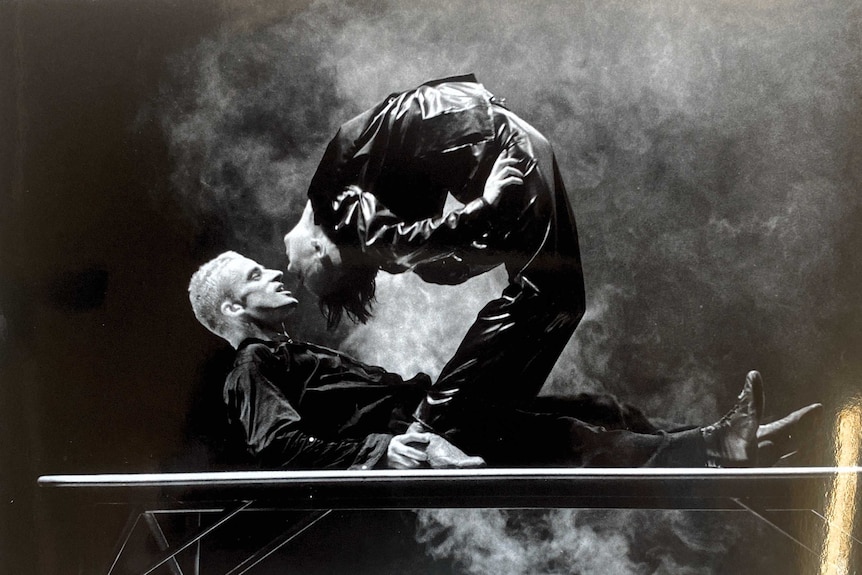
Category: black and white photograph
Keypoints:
(450, 287)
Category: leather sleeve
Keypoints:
(401, 245)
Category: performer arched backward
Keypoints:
(302, 406)
(377, 201)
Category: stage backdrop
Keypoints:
(711, 150)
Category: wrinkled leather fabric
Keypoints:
(302, 406)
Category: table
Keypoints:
(825, 495)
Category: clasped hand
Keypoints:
(417, 449)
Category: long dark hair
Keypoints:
(353, 288)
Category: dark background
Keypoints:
(711, 151)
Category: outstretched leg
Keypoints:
(518, 438)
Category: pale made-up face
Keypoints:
(311, 255)
(259, 294)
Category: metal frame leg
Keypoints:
(125, 535)
(760, 515)
(196, 569)
(162, 541)
(284, 538)
(166, 556)
(826, 521)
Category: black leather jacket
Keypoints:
(384, 180)
(303, 406)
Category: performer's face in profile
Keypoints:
(312, 255)
(258, 293)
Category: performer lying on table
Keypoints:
(303, 406)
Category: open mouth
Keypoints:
(280, 289)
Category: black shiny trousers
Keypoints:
(485, 400)
(506, 355)
(586, 431)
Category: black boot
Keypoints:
(732, 440)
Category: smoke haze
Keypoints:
(488, 541)
(710, 150)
